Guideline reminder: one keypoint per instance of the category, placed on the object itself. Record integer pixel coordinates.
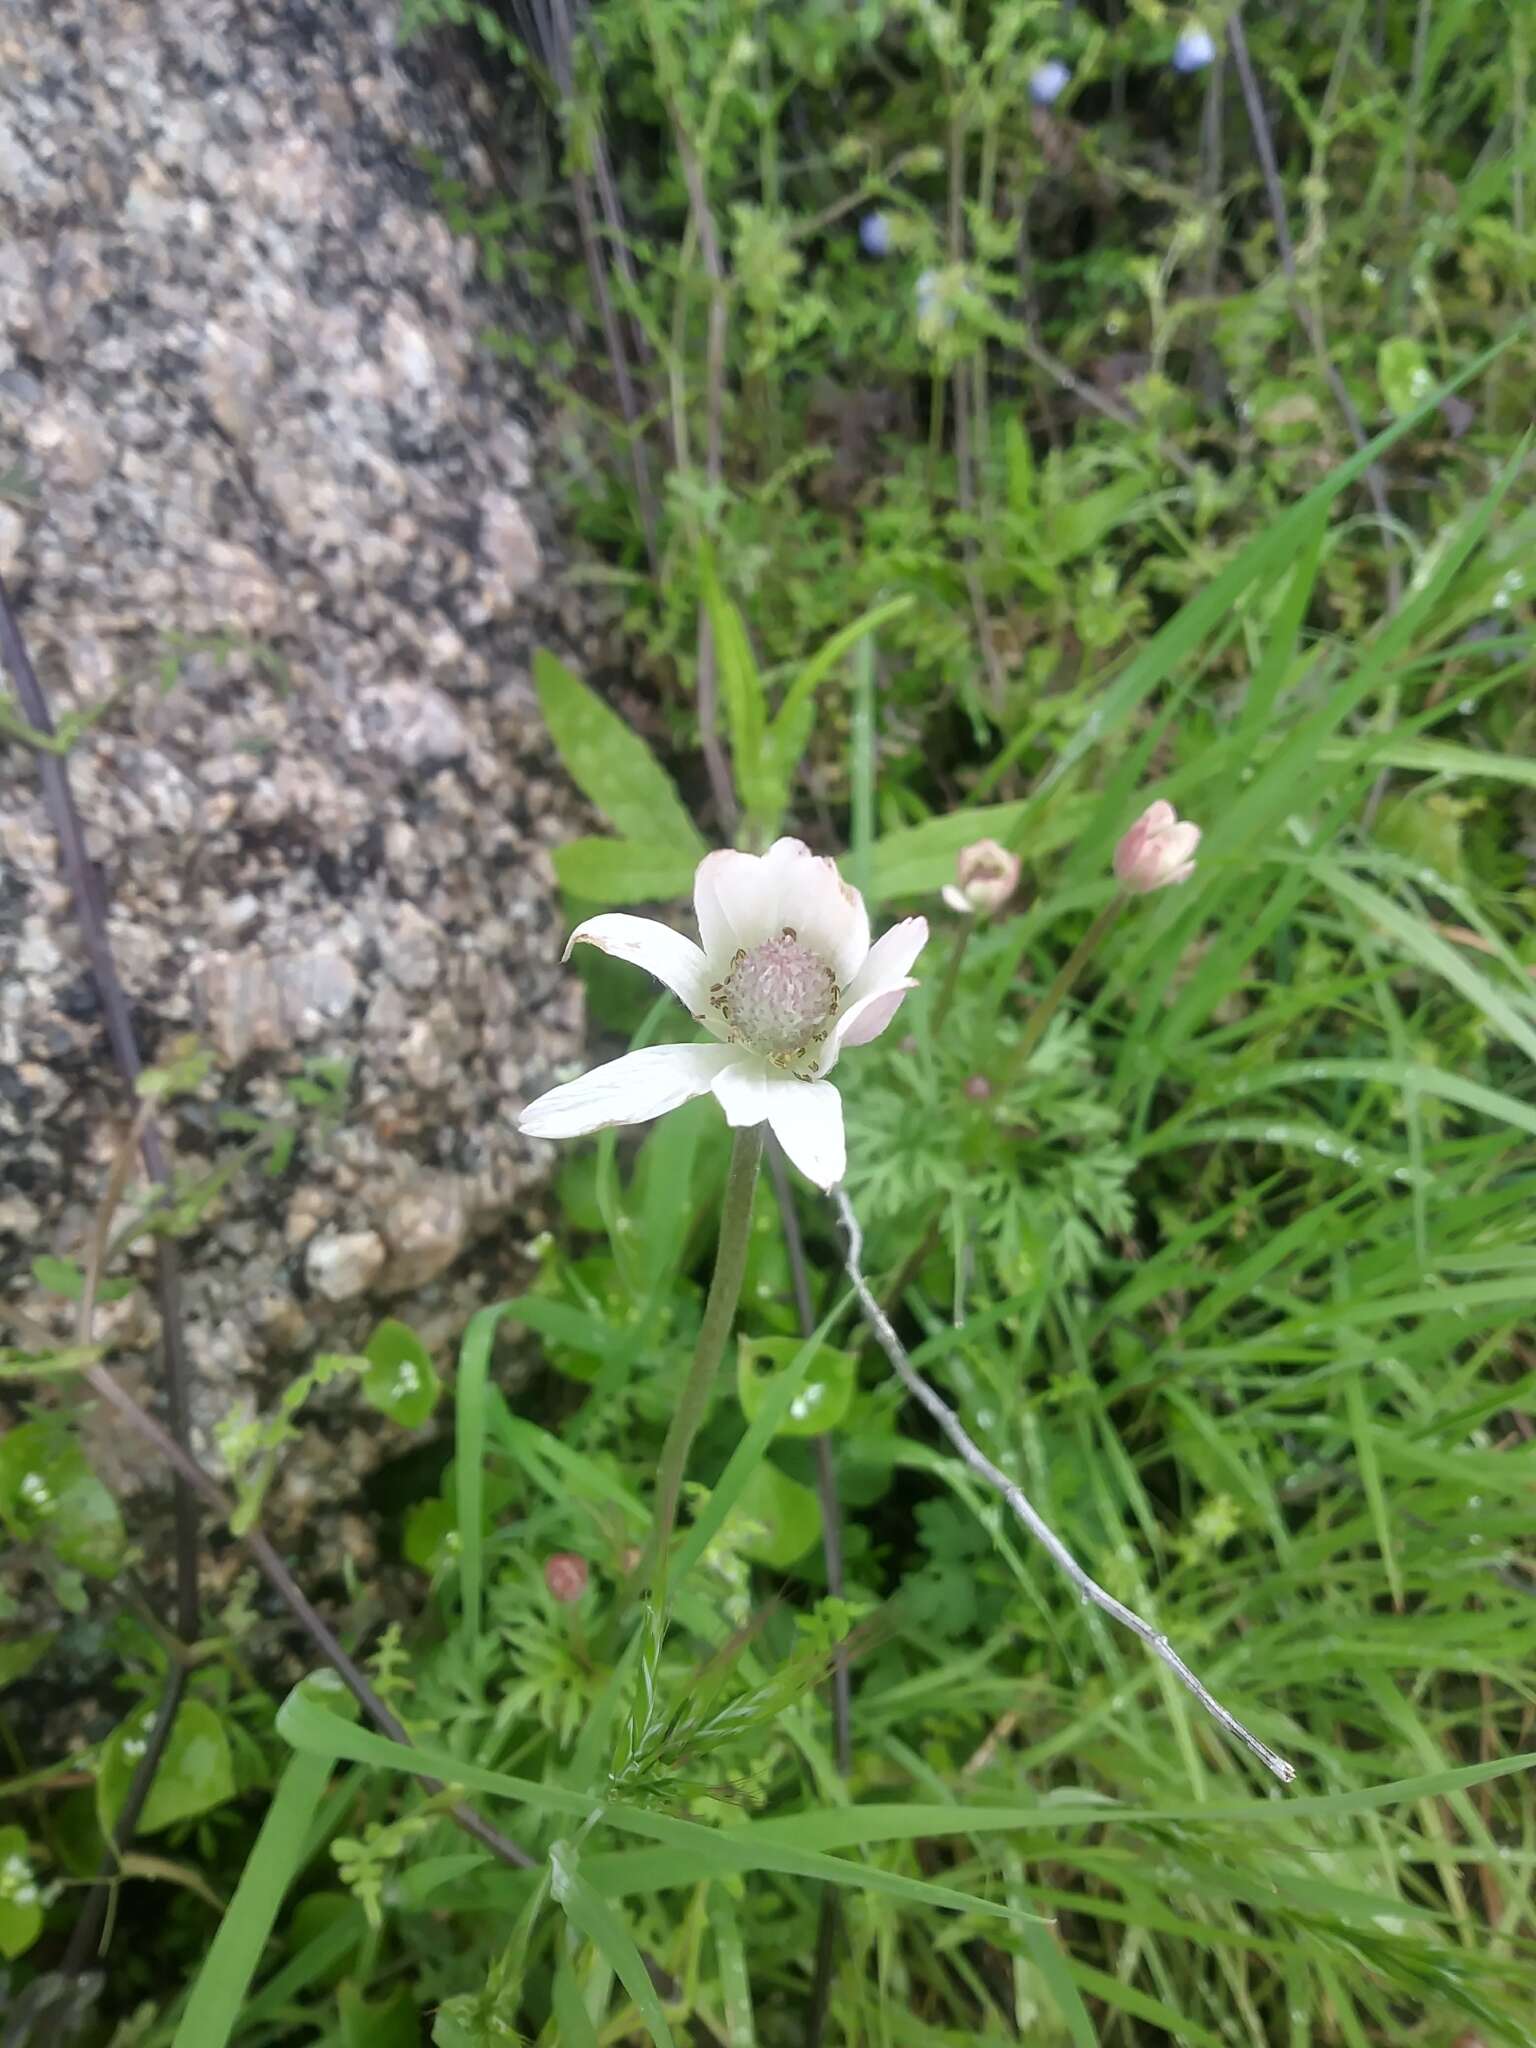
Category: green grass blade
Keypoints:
(219, 1991)
(702, 1852)
(594, 1918)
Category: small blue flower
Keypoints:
(1049, 81)
(875, 234)
(1194, 49)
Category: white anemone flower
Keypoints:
(786, 981)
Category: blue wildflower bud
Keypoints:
(1194, 49)
(1048, 82)
(875, 234)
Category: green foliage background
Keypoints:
(1058, 503)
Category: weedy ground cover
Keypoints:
(984, 420)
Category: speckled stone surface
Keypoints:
(238, 370)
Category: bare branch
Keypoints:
(982, 1466)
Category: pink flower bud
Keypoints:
(978, 1088)
(565, 1574)
(1157, 851)
(986, 875)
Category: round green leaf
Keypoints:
(196, 1771)
(21, 1899)
(400, 1381)
(824, 1393)
(776, 1520)
(1405, 378)
(429, 1531)
(50, 1496)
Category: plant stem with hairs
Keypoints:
(947, 987)
(719, 1315)
(978, 1462)
(1061, 987)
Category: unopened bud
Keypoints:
(986, 875)
(978, 1088)
(565, 1574)
(1158, 850)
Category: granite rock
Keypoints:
(282, 522)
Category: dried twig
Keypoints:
(982, 1466)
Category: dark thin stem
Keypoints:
(1302, 301)
(85, 889)
(720, 783)
(978, 1462)
(946, 995)
(827, 1921)
(828, 1914)
(557, 33)
(1041, 1015)
(1211, 172)
(87, 1928)
(288, 1590)
(592, 249)
(826, 1464)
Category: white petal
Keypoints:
(734, 902)
(807, 1119)
(813, 901)
(630, 1090)
(742, 1090)
(1181, 842)
(725, 889)
(955, 899)
(890, 961)
(675, 961)
(741, 899)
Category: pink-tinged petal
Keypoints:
(864, 1021)
(807, 1119)
(869, 1017)
(1157, 850)
(675, 961)
(890, 960)
(742, 1090)
(630, 1090)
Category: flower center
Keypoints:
(779, 999)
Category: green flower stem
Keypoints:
(946, 994)
(1061, 987)
(719, 1314)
